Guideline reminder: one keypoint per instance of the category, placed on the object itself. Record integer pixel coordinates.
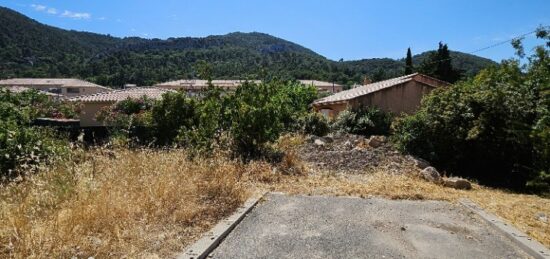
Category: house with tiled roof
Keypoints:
(397, 95)
(68, 87)
(92, 104)
(322, 86)
(21, 89)
(194, 86)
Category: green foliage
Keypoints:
(439, 65)
(23, 147)
(31, 49)
(314, 123)
(130, 118)
(174, 113)
(409, 63)
(256, 116)
(363, 121)
(494, 127)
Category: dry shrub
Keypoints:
(132, 203)
(291, 164)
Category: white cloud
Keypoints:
(66, 13)
(38, 7)
(76, 15)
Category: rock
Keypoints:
(319, 142)
(419, 162)
(457, 183)
(376, 141)
(541, 217)
(431, 174)
(328, 139)
(348, 145)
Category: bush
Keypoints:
(494, 127)
(21, 145)
(364, 121)
(131, 118)
(314, 123)
(174, 113)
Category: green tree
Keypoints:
(409, 63)
(439, 65)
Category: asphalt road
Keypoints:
(337, 227)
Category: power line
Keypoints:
(495, 45)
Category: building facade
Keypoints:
(396, 95)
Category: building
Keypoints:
(323, 86)
(396, 95)
(68, 87)
(92, 104)
(194, 86)
(21, 89)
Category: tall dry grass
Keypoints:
(119, 204)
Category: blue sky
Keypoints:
(336, 29)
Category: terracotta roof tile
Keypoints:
(119, 95)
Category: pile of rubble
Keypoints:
(353, 154)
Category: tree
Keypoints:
(439, 65)
(409, 63)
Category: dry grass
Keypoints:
(518, 209)
(154, 203)
(126, 204)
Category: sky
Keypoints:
(344, 29)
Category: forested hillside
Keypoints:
(31, 49)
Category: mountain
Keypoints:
(31, 49)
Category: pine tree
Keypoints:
(409, 63)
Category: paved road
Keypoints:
(336, 227)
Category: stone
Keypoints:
(328, 139)
(319, 142)
(376, 141)
(348, 145)
(419, 162)
(457, 183)
(431, 174)
(541, 217)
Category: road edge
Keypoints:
(211, 239)
(525, 242)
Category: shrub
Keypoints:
(314, 123)
(173, 113)
(363, 121)
(21, 145)
(131, 118)
(255, 116)
(491, 127)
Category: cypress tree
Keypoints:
(409, 63)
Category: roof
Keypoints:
(120, 95)
(374, 87)
(318, 83)
(20, 89)
(200, 84)
(63, 82)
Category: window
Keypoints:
(73, 90)
(54, 90)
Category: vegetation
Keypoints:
(31, 49)
(22, 146)
(494, 127)
(248, 119)
(439, 65)
(364, 121)
(409, 68)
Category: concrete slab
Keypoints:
(338, 227)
